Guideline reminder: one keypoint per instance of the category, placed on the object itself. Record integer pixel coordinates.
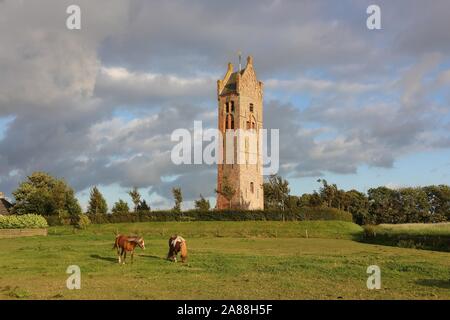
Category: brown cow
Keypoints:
(125, 244)
(177, 244)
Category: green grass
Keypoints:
(200, 229)
(442, 229)
(421, 236)
(229, 260)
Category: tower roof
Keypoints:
(231, 81)
(231, 84)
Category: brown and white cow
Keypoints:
(177, 244)
(125, 244)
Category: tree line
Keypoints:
(427, 204)
(43, 194)
(46, 195)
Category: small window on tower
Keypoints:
(227, 107)
(251, 107)
(232, 106)
(252, 189)
(229, 122)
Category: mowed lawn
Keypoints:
(227, 260)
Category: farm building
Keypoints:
(5, 205)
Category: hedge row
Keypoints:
(27, 221)
(300, 214)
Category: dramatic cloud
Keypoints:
(97, 106)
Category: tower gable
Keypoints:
(248, 84)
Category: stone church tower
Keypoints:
(240, 98)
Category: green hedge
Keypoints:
(300, 214)
(27, 221)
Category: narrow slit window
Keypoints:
(229, 123)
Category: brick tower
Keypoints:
(240, 98)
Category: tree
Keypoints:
(120, 207)
(202, 204)
(293, 202)
(383, 205)
(358, 206)
(178, 198)
(413, 206)
(408, 205)
(226, 190)
(439, 201)
(310, 200)
(97, 204)
(143, 207)
(135, 197)
(328, 192)
(45, 195)
(276, 193)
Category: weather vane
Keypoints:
(240, 58)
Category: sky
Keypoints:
(360, 108)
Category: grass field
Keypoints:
(411, 235)
(230, 260)
(442, 229)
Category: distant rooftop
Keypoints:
(5, 206)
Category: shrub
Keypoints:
(323, 213)
(53, 220)
(369, 231)
(82, 222)
(120, 207)
(64, 217)
(31, 221)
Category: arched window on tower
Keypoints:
(229, 122)
(251, 123)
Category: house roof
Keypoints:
(5, 206)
